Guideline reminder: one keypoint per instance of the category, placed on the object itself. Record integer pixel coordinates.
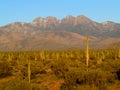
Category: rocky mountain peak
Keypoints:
(70, 17)
(44, 21)
(68, 20)
(83, 19)
(51, 18)
(37, 20)
(108, 23)
(50, 31)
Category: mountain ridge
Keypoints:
(53, 33)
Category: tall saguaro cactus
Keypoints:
(87, 52)
(29, 71)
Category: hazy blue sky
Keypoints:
(27, 10)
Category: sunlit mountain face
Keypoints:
(52, 33)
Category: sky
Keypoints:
(27, 10)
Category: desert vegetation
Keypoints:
(59, 70)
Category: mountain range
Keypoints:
(52, 33)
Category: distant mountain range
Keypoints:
(52, 33)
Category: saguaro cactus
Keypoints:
(42, 56)
(29, 71)
(87, 53)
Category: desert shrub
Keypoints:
(87, 87)
(92, 77)
(104, 67)
(72, 78)
(96, 77)
(59, 67)
(5, 69)
(15, 85)
(18, 85)
(23, 69)
(118, 74)
(37, 67)
(113, 67)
